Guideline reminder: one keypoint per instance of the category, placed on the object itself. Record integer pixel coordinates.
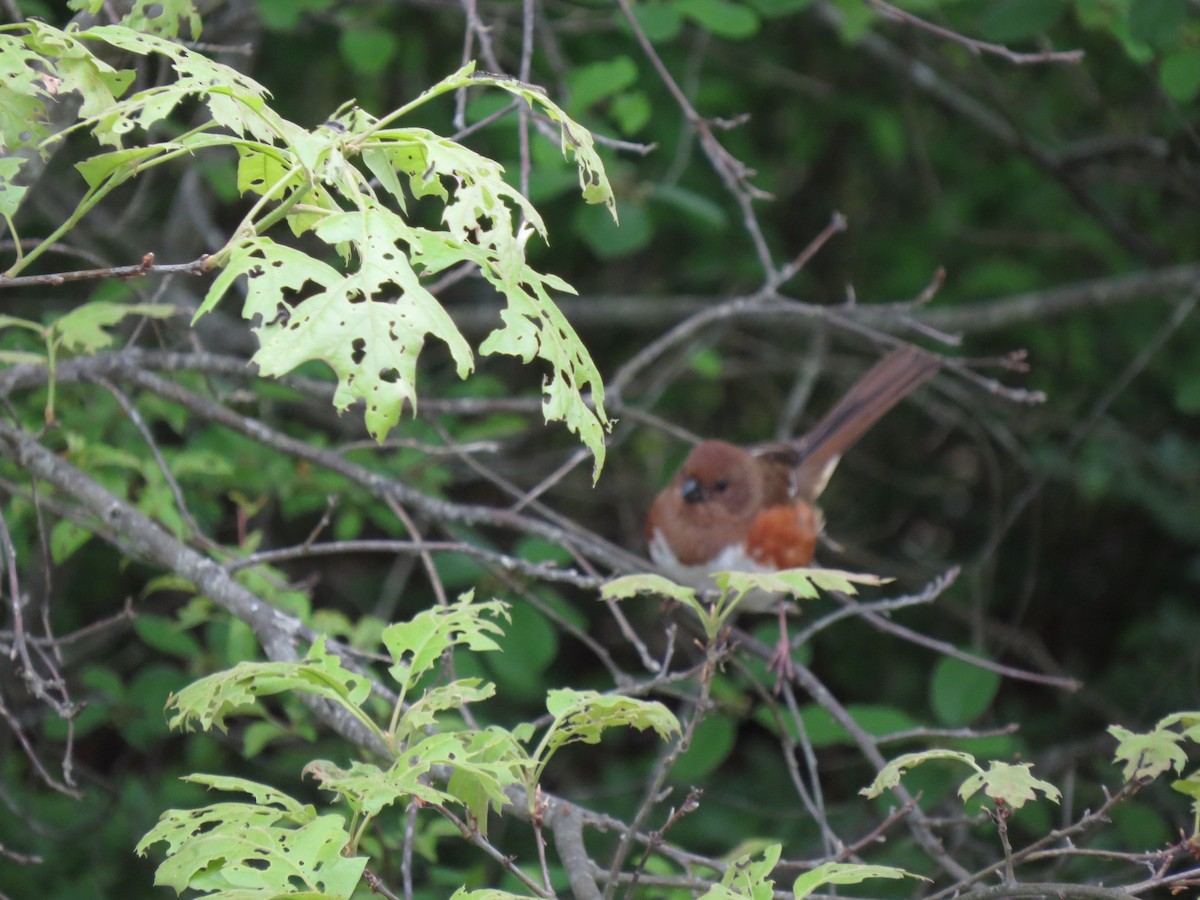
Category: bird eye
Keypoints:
(721, 485)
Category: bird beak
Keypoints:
(692, 492)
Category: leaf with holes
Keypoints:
(268, 848)
(208, 701)
(275, 274)
(416, 646)
(631, 585)
(584, 716)
(234, 100)
(369, 326)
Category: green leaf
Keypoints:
(11, 193)
(699, 207)
(483, 763)
(210, 700)
(1157, 22)
(889, 776)
(422, 714)
(584, 716)
(713, 741)
(576, 141)
(369, 326)
(608, 240)
(163, 17)
(367, 50)
(83, 328)
(118, 165)
(1014, 20)
(495, 759)
(1179, 72)
(660, 21)
(273, 274)
(844, 873)
(1189, 720)
(233, 100)
(800, 583)
(1009, 783)
(747, 878)
(1146, 756)
(724, 18)
(271, 847)
(165, 634)
(823, 730)
(65, 538)
(415, 646)
(770, 9)
(631, 111)
(591, 83)
(960, 692)
(631, 585)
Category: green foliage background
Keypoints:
(1075, 521)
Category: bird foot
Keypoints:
(781, 663)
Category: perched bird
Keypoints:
(754, 508)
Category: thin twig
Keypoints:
(976, 46)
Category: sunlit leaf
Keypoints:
(1012, 784)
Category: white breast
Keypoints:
(699, 576)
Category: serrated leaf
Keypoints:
(369, 326)
(1147, 756)
(83, 328)
(263, 794)
(747, 878)
(118, 165)
(889, 776)
(1189, 720)
(234, 100)
(206, 703)
(415, 646)
(801, 583)
(584, 716)
(163, 17)
(844, 873)
(369, 789)
(497, 760)
(11, 193)
(274, 275)
(271, 847)
(631, 585)
(483, 764)
(423, 712)
(1012, 784)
